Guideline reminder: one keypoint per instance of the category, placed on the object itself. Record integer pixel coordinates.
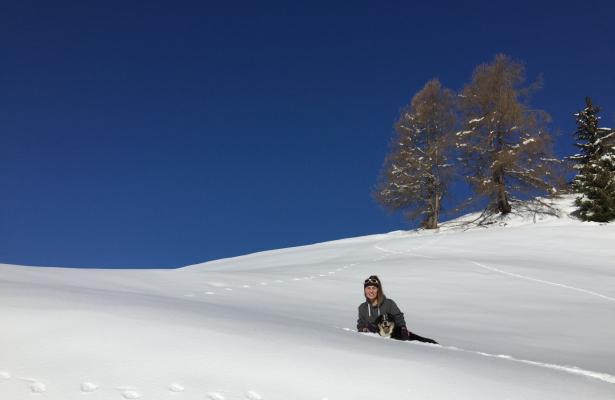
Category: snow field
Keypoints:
(523, 311)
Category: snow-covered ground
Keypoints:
(522, 311)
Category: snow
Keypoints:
(522, 309)
(476, 120)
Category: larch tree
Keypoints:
(417, 171)
(595, 181)
(503, 143)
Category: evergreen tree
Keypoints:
(586, 133)
(417, 172)
(596, 164)
(504, 144)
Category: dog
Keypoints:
(386, 326)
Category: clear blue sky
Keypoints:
(161, 134)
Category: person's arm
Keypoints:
(362, 324)
(398, 316)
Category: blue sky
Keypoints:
(161, 134)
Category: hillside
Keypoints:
(523, 309)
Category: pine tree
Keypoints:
(417, 172)
(586, 133)
(504, 144)
(596, 164)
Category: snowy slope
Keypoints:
(523, 311)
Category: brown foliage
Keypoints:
(504, 144)
(416, 171)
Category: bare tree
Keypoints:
(504, 144)
(417, 172)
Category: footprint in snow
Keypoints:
(215, 396)
(88, 387)
(38, 387)
(35, 386)
(251, 395)
(175, 388)
(131, 394)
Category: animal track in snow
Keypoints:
(88, 387)
(251, 395)
(215, 396)
(175, 388)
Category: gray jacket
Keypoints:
(369, 313)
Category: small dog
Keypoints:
(386, 325)
(387, 328)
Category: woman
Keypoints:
(376, 304)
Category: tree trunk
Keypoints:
(502, 198)
(434, 213)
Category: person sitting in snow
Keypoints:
(376, 305)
